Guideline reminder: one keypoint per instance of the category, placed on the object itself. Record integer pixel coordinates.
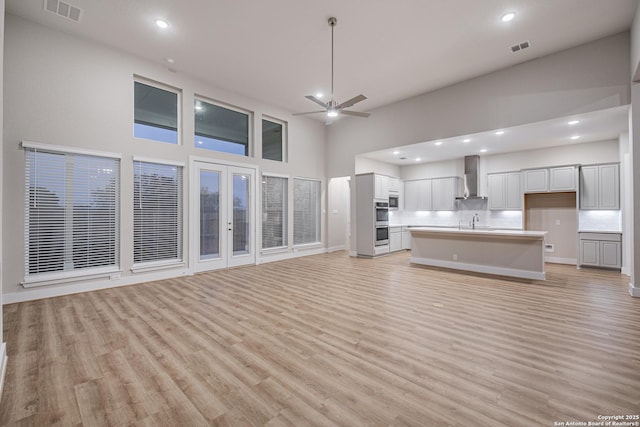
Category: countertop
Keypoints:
(479, 231)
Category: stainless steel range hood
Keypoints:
(471, 178)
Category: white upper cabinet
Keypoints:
(600, 187)
(505, 192)
(425, 195)
(549, 179)
(536, 180)
(562, 179)
(417, 195)
(444, 194)
(394, 185)
(381, 186)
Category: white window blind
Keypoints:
(306, 211)
(157, 212)
(274, 212)
(72, 209)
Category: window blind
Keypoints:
(306, 211)
(274, 212)
(72, 208)
(157, 212)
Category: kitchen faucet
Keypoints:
(474, 219)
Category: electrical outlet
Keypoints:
(455, 257)
(557, 222)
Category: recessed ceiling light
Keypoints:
(170, 60)
(575, 137)
(484, 150)
(395, 153)
(332, 113)
(573, 122)
(161, 23)
(319, 95)
(417, 159)
(438, 143)
(508, 16)
(466, 140)
(500, 132)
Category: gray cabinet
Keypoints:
(549, 179)
(395, 239)
(600, 187)
(444, 194)
(406, 238)
(417, 195)
(601, 250)
(505, 192)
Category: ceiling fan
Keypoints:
(331, 107)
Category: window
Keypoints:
(155, 113)
(274, 212)
(157, 212)
(72, 208)
(273, 138)
(221, 129)
(306, 211)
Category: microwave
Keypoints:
(394, 201)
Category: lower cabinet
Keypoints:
(406, 238)
(395, 239)
(601, 250)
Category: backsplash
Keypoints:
(463, 216)
(600, 220)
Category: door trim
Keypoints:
(194, 194)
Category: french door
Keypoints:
(224, 234)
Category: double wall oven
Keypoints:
(382, 222)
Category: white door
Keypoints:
(224, 226)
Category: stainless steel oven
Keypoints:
(394, 201)
(382, 235)
(382, 213)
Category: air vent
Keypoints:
(520, 46)
(402, 158)
(63, 9)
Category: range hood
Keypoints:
(471, 179)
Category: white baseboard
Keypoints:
(353, 254)
(634, 291)
(3, 365)
(282, 256)
(79, 287)
(501, 271)
(558, 260)
(336, 248)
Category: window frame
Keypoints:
(285, 138)
(250, 134)
(51, 278)
(138, 267)
(165, 87)
(285, 226)
(317, 243)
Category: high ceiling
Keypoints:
(279, 51)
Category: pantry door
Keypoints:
(224, 216)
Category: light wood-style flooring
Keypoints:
(328, 340)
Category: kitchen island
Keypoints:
(514, 253)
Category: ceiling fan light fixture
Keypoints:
(332, 113)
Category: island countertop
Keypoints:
(479, 232)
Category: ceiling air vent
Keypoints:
(63, 9)
(520, 46)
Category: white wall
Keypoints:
(338, 213)
(2, 344)
(441, 169)
(366, 165)
(66, 91)
(635, 46)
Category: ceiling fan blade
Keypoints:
(352, 101)
(309, 112)
(355, 113)
(317, 101)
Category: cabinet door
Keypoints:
(562, 179)
(609, 187)
(382, 187)
(395, 240)
(590, 252)
(497, 191)
(406, 238)
(444, 194)
(425, 195)
(394, 185)
(589, 187)
(610, 254)
(536, 180)
(411, 190)
(513, 194)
